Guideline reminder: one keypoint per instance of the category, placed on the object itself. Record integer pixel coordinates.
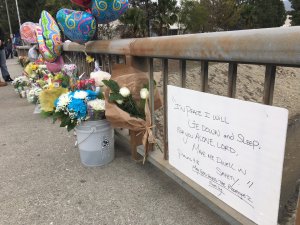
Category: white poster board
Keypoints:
(232, 148)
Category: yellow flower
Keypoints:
(89, 59)
(58, 76)
(48, 97)
(34, 67)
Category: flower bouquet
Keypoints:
(20, 84)
(84, 110)
(127, 106)
(33, 95)
(74, 107)
(23, 60)
(61, 80)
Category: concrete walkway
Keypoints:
(43, 182)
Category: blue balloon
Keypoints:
(78, 26)
(106, 11)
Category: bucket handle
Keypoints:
(93, 129)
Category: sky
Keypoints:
(287, 5)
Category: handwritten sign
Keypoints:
(232, 148)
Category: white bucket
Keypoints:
(95, 141)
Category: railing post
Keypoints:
(232, 75)
(298, 210)
(139, 63)
(183, 72)
(165, 89)
(269, 84)
(110, 64)
(151, 90)
(204, 75)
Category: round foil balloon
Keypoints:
(78, 26)
(43, 49)
(33, 54)
(83, 3)
(55, 66)
(51, 33)
(108, 10)
(70, 70)
(27, 31)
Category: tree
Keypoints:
(145, 15)
(223, 14)
(193, 16)
(13, 17)
(296, 12)
(149, 8)
(262, 14)
(165, 15)
(134, 23)
(30, 10)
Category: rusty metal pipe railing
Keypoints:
(260, 46)
(270, 47)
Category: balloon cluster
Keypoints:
(78, 26)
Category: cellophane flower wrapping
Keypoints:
(129, 118)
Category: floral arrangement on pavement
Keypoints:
(74, 107)
(33, 94)
(23, 60)
(20, 83)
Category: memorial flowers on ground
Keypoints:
(20, 84)
(74, 107)
(127, 106)
(33, 94)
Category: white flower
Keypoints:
(63, 101)
(37, 91)
(120, 102)
(42, 67)
(31, 93)
(124, 91)
(97, 104)
(144, 93)
(80, 94)
(99, 76)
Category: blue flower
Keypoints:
(55, 102)
(92, 95)
(78, 107)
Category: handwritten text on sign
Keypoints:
(232, 148)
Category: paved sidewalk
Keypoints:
(43, 182)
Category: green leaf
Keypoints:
(115, 97)
(100, 95)
(57, 115)
(71, 126)
(45, 114)
(113, 85)
(65, 121)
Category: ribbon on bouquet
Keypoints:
(148, 137)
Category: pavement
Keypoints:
(43, 182)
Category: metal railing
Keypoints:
(271, 48)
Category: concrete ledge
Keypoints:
(219, 207)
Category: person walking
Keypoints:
(9, 49)
(4, 71)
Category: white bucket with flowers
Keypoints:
(84, 110)
(95, 142)
(95, 136)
